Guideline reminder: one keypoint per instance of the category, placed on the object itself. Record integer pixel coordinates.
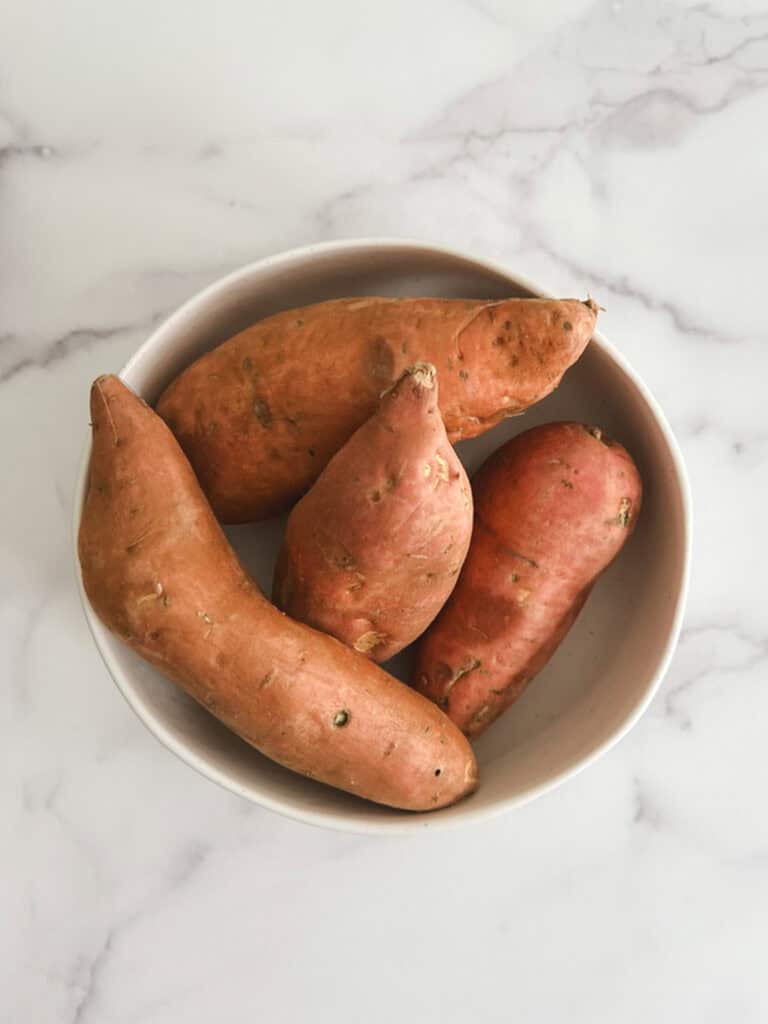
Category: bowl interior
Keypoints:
(604, 673)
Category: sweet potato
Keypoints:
(372, 552)
(260, 416)
(553, 508)
(161, 575)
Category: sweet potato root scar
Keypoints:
(469, 666)
(625, 515)
(267, 679)
(133, 545)
(208, 621)
(478, 718)
(358, 583)
(369, 641)
(423, 375)
(157, 594)
(600, 436)
(524, 558)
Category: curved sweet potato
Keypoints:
(260, 416)
(161, 575)
(373, 550)
(553, 508)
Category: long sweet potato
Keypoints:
(161, 575)
(260, 416)
(553, 508)
(373, 550)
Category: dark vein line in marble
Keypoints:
(621, 285)
(738, 48)
(44, 152)
(194, 856)
(36, 152)
(95, 971)
(737, 89)
(76, 340)
(485, 12)
(325, 214)
(645, 811)
(557, 132)
(734, 91)
(750, 661)
(741, 444)
(491, 136)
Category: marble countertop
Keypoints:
(618, 148)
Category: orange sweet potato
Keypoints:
(553, 508)
(372, 552)
(161, 575)
(260, 416)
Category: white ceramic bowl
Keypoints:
(604, 674)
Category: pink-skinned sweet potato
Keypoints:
(260, 415)
(373, 550)
(161, 575)
(553, 508)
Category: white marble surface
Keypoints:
(146, 148)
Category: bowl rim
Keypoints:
(402, 823)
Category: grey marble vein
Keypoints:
(37, 152)
(646, 812)
(619, 284)
(90, 984)
(677, 692)
(486, 11)
(75, 340)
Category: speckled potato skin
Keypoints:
(375, 547)
(553, 508)
(160, 574)
(260, 416)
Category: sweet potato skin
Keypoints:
(160, 574)
(375, 547)
(553, 507)
(260, 416)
